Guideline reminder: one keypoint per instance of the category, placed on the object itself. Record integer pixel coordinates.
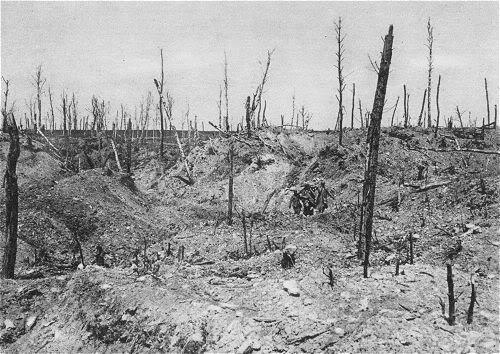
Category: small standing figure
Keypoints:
(322, 199)
(295, 202)
(308, 198)
(99, 257)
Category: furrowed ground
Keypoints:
(219, 299)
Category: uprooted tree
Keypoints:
(373, 141)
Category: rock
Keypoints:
(239, 314)
(30, 322)
(339, 331)
(291, 287)
(105, 286)
(9, 324)
(80, 266)
(307, 302)
(245, 347)
(194, 343)
(290, 249)
(256, 345)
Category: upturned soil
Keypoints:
(219, 298)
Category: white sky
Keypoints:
(111, 49)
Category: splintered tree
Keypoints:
(422, 109)
(430, 41)
(352, 106)
(159, 88)
(340, 58)
(38, 82)
(226, 85)
(11, 195)
(230, 191)
(487, 100)
(437, 107)
(257, 95)
(373, 140)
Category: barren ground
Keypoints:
(218, 299)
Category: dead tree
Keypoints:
(340, 58)
(226, 84)
(257, 95)
(422, 109)
(11, 196)
(159, 88)
(293, 108)
(38, 82)
(495, 116)
(247, 116)
(473, 300)
(405, 111)
(374, 138)
(128, 143)
(437, 107)
(451, 295)
(487, 100)
(459, 114)
(360, 113)
(430, 41)
(352, 107)
(64, 108)
(230, 187)
(53, 122)
(219, 105)
(394, 112)
(75, 114)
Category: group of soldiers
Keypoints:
(309, 197)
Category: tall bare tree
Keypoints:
(53, 121)
(64, 109)
(340, 37)
(11, 195)
(352, 107)
(487, 100)
(39, 82)
(226, 86)
(437, 107)
(422, 109)
(430, 42)
(159, 88)
(374, 138)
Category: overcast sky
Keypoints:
(112, 49)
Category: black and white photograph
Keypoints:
(249, 177)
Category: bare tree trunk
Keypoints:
(430, 41)
(437, 107)
(374, 134)
(352, 108)
(11, 197)
(495, 116)
(360, 114)
(338, 65)
(470, 311)
(53, 122)
(247, 117)
(230, 188)
(129, 146)
(116, 155)
(220, 107)
(394, 112)
(226, 118)
(451, 295)
(487, 100)
(159, 88)
(460, 118)
(422, 109)
(405, 107)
